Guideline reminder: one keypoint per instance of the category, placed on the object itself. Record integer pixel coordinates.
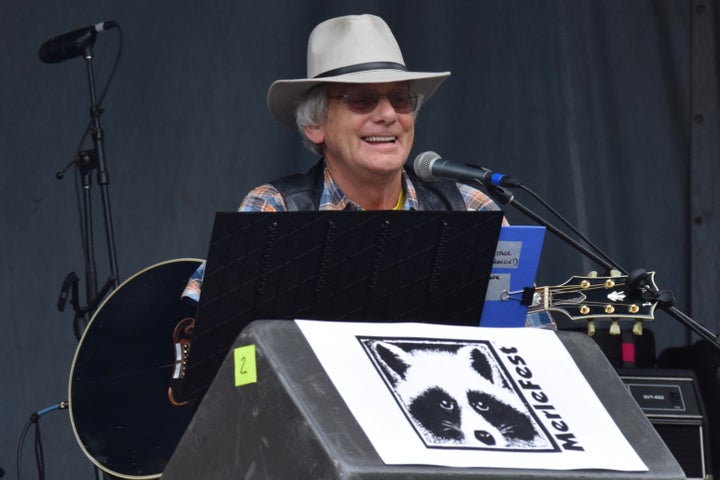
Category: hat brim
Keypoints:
(283, 95)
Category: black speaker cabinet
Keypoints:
(293, 423)
(671, 401)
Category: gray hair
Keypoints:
(312, 110)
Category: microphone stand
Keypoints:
(102, 175)
(636, 278)
(86, 162)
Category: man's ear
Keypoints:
(315, 134)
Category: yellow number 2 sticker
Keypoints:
(245, 368)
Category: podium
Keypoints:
(293, 424)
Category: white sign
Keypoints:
(469, 396)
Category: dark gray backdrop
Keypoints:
(608, 109)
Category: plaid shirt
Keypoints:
(266, 198)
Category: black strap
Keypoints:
(362, 67)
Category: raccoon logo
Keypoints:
(457, 396)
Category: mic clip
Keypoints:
(70, 282)
(501, 195)
(86, 161)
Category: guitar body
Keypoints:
(119, 407)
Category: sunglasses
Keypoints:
(365, 101)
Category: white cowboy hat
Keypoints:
(351, 49)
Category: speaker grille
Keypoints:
(686, 444)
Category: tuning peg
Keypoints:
(591, 327)
(638, 328)
(614, 327)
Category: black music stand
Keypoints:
(351, 266)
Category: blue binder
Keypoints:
(514, 268)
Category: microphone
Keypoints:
(429, 166)
(72, 44)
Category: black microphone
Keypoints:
(72, 44)
(429, 166)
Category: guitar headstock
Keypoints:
(591, 297)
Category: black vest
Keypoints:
(303, 191)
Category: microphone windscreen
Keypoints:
(422, 166)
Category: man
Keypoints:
(357, 109)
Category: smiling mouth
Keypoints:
(379, 139)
